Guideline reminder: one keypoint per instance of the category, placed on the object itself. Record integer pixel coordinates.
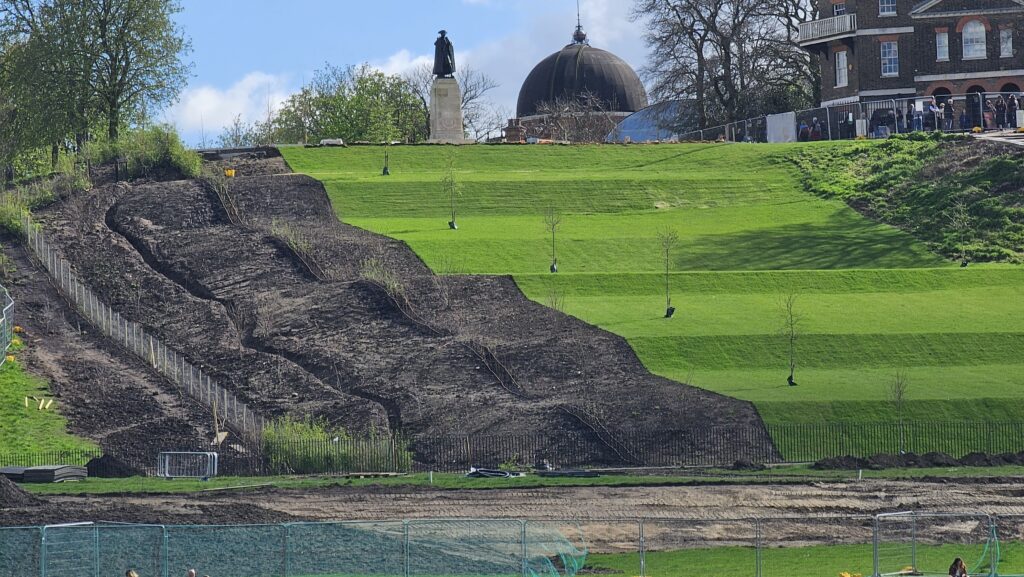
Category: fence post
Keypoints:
(895, 121)
(166, 553)
(913, 541)
(758, 543)
(526, 561)
(287, 549)
(874, 545)
(643, 548)
(405, 547)
(42, 552)
(828, 121)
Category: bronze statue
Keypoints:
(444, 56)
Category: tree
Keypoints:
(552, 222)
(733, 58)
(791, 332)
(450, 187)
(668, 240)
(584, 117)
(139, 49)
(897, 396)
(238, 134)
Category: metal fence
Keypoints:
(6, 324)
(192, 380)
(880, 119)
(910, 543)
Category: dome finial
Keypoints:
(579, 37)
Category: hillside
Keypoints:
(872, 299)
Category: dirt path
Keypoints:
(106, 395)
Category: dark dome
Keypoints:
(577, 68)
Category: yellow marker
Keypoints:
(26, 401)
(41, 403)
(48, 403)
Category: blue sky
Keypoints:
(247, 53)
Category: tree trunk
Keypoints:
(113, 121)
(54, 155)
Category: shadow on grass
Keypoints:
(845, 240)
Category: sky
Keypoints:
(248, 54)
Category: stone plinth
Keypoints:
(446, 113)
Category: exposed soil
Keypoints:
(607, 514)
(911, 460)
(107, 395)
(302, 332)
(11, 495)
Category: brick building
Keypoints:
(882, 49)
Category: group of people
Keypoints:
(998, 112)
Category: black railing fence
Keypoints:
(710, 447)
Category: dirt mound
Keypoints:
(11, 495)
(935, 459)
(745, 465)
(108, 467)
(841, 463)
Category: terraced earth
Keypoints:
(871, 299)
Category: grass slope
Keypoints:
(872, 299)
(28, 430)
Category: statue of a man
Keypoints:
(444, 56)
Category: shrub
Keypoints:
(310, 446)
(148, 151)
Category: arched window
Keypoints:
(974, 40)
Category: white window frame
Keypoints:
(887, 7)
(839, 9)
(942, 46)
(892, 59)
(1006, 43)
(842, 70)
(974, 50)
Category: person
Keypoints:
(803, 133)
(190, 573)
(910, 115)
(815, 129)
(934, 114)
(949, 114)
(958, 569)
(1012, 106)
(1000, 107)
(990, 115)
(899, 119)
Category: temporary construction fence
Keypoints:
(875, 119)
(193, 380)
(6, 323)
(402, 548)
(812, 546)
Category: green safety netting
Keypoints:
(409, 548)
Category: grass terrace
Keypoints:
(872, 300)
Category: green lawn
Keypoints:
(26, 429)
(872, 300)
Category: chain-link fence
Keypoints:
(192, 380)
(810, 546)
(973, 112)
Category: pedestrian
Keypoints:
(1012, 106)
(990, 114)
(949, 114)
(910, 115)
(815, 129)
(190, 573)
(958, 569)
(1000, 108)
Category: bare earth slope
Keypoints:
(438, 356)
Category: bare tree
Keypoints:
(668, 239)
(962, 222)
(897, 396)
(450, 187)
(555, 297)
(791, 331)
(552, 222)
(584, 117)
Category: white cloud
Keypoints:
(402, 61)
(209, 109)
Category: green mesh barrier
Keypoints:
(426, 548)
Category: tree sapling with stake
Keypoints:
(552, 221)
(668, 239)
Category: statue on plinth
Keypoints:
(445, 96)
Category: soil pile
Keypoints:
(912, 460)
(11, 495)
(108, 467)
